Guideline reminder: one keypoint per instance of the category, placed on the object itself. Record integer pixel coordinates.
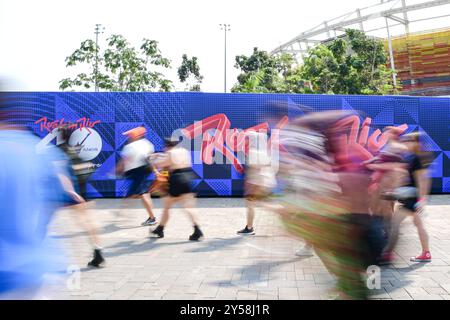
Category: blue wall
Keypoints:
(110, 114)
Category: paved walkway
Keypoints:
(227, 266)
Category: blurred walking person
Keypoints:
(30, 194)
(412, 199)
(74, 183)
(387, 172)
(325, 196)
(136, 167)
(259, 177)
(178, 162)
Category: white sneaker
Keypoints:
(306, 251)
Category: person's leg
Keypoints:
(168, 202)
(147, 200)
(250, 198)
(188, 202)
(423, 235)
(129, 194)
(398, 217)
(250, 213)
(84, 219)
(248, 230)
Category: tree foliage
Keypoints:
(189, 73)
(264, 73)
(355, 64)
(120, 67)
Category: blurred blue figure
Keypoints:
(30, 193)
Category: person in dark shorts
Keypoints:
(178, 162)
(136, 168)
(412, 199)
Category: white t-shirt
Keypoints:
(136, 153)
(259, 169)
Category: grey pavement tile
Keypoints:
(247, 295)
(268, 295)
(288, 294)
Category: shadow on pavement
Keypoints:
(216, 244)
(110, 228)
(130, 247)
(251, 274)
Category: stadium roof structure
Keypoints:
(385, 19)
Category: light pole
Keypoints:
(225, 27)
(99, 29)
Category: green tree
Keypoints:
(189, 73)
(264, 73)
(355, 64)
(120, 67)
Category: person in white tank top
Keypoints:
(178, 162)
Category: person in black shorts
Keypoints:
(178, 162)
(412, 198)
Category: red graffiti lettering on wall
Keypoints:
(353, 143)
(224, 140)
(81, 123)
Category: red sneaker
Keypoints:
(424, 257)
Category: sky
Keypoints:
(37, 36)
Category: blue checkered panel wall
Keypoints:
(103, 117)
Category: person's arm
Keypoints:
(125, 154)
(65, 181)
(120, 167)
(162, 160)
(68, 187)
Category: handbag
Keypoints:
(160, 186)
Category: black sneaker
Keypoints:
(246, 231)
(149, 222)
(158, 232)
(98, 259)
(197, 235)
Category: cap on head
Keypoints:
(135, 133)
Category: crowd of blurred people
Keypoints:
(347, 208)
